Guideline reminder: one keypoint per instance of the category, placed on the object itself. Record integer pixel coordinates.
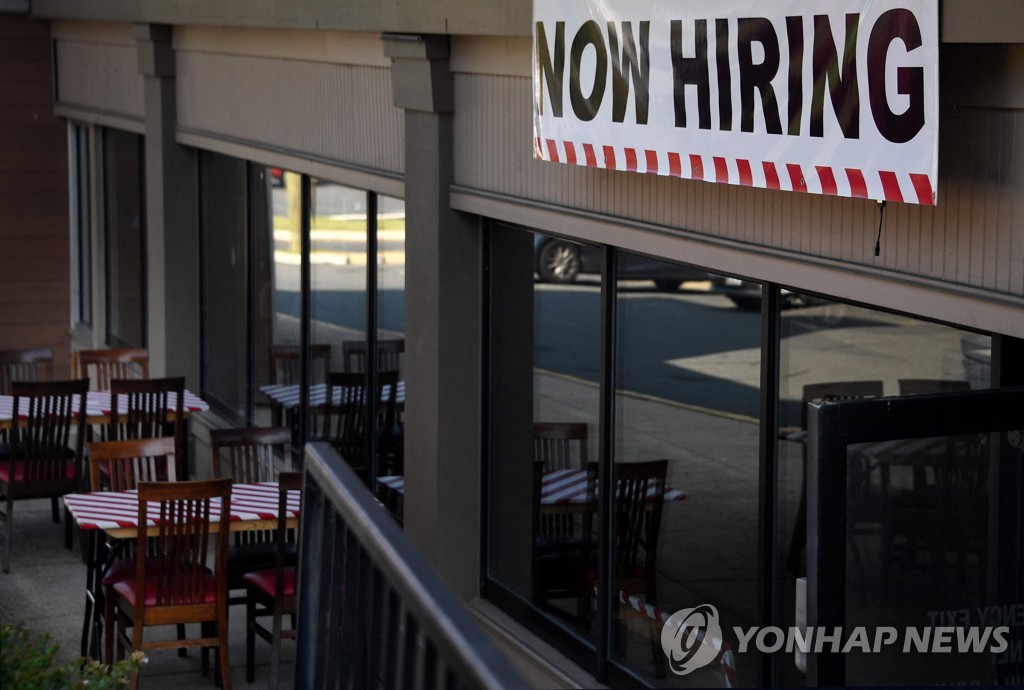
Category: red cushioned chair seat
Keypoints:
(124, 569)
(266, 580)
(126, 588)
(19, 471)
(121, 569)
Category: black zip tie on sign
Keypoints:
(878, 240)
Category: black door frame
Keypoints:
(835, 425)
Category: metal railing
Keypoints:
(372, 612)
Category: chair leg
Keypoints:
(250, 638)
(205, 630)
(108, 624)
(654, 632)
(9, 533)
(68, 529)
(222, 652)
(182, 652)
(55, 509)
(136, 641)
(275, 647)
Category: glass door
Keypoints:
(915, 540)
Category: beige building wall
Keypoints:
(300, 97)
(971, 243)
(98, 78)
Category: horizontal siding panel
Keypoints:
(342, 113)
(100, 76)
(974, 237)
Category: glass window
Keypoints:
(685, 450)
(338, 269)
(687, 398)
(391, 324)
(225, 323)
(81, 224)
(253, 218)
(545, 373)
(285, 229)
(832, 350)
(123, 186)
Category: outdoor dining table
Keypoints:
(562, 491)
(288, 396)
(97, 406)
(116, 514)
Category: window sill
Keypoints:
(540, 664)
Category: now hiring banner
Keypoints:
(835, 98)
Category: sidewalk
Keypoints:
(46, 590)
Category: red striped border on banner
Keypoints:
(818, 179)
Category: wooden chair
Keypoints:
(35, 364)
(390, 428)
(285, 363)
(286, 370)
(48, 429)
(122, 466)
(149, 408)
(249, 456)
(173, 583)
(343, 420)
(389, 355)
(272, 592)
(563, 549)
(637, 510)
(560, 445)
(103, 366)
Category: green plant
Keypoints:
(27, 661)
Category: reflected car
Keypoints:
(561, 261)
(747, 295)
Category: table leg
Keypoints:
(92, 558)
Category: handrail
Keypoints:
(369, 603)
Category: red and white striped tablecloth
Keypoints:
(558, 487)
(111, 510)
(97, 404)
(288, 396)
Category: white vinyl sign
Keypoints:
(837, 97)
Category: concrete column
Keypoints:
(442, 323)
(172, 219)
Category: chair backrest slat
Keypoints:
(638, 504)
(33, 364)
(104, 366)
(175, 560)
(45, 414)
(250, 455)
(124, 464)
(389, 354)
(560, 445)
(285, 361)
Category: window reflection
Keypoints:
(686, 467)
(225, 246)
(391, 326)
(546, 357)
(833, 351)
(81, 224)
(123, 187)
